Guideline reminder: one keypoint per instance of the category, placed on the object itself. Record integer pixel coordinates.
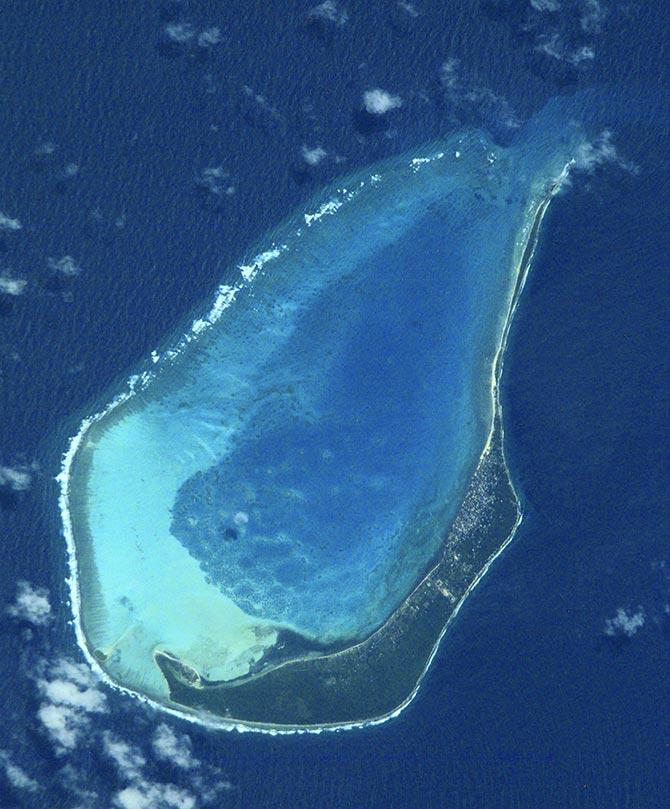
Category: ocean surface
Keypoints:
(144, 149)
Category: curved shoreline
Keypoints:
(524, 254)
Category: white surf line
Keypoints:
(225, 297)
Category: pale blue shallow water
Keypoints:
(530, 703)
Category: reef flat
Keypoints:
(276, 522)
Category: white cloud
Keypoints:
(329, 11)
(208, 790)
(77, 785)
(16, 478)
(16, 776)
(592, 16)
(209, 37)
(140, 792)
(128, 759)
(32, 604)
(7, 223)
(45, 149)
(79, 673)
(183, 33)
(586, 52)
(545, 5)
(66, 265)
(408, 8)
(216, 180)
(625, 623)
(69, 691)
(64, 725)
(449, 73)
(206, 780)
(313, 156)
(379, 102)
(167, 745)
(145, 795)
(180, 32)
(591, 154)
(9, 285)
(64, 692)
(263, 106)
(553, 46)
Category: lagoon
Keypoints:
(278, 484)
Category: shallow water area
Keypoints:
(282, 478)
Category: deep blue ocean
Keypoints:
(551, 687)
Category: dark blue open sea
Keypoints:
(551, 687)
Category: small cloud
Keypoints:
(45, 149)
(379, 102)
(592, 154)
(241, 518)
(32, 604)
(449, 74)
(78, 785)
(179, 32)
(409, 8)
(128, 759)
(7, 223)
(261, 102)
(314, 155)
(66, 266)
(16, 776)
(147, 795)
(67, 692)
(210, 37)
(545, 5)
(168, 746)
(62, 724)
(592, 16)
(625, 623)
(184, 37)
(553, 47)
(15, 478)
(70, 693)
(259, 111)
(209, 789)
(586, 52)
(328, 12)
(78, 673)
(215, 180)
(207, 780)
(10, 285)
(140, 792)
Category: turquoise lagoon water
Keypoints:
(295, 460)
